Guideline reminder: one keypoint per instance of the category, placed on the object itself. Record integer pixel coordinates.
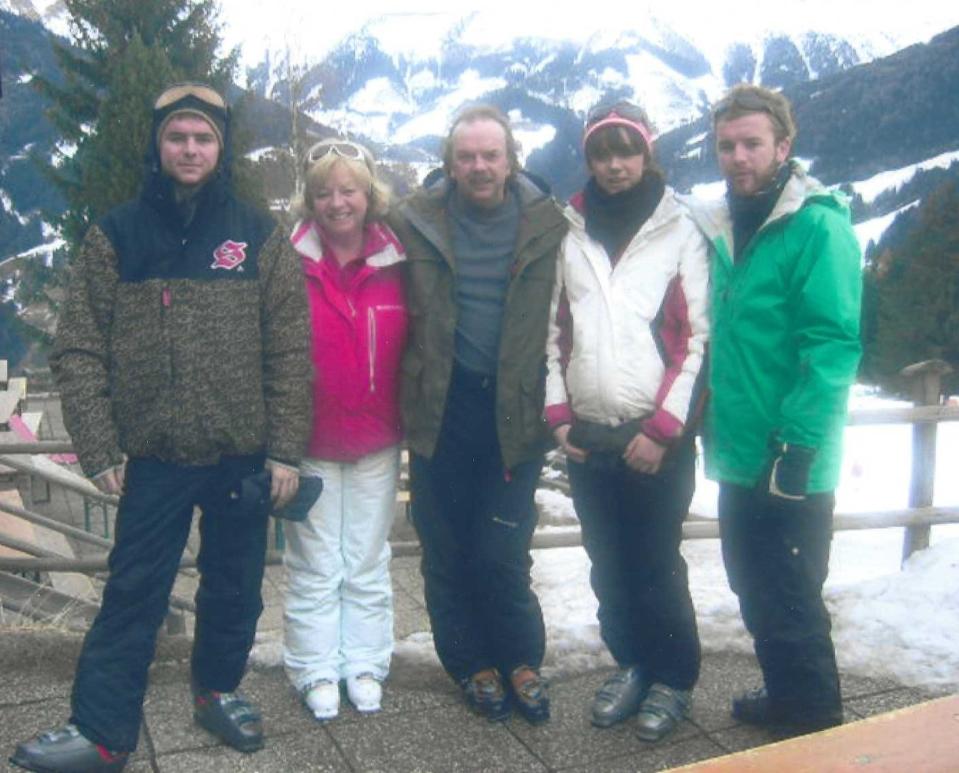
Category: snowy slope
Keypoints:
(676, 58)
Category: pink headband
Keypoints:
(615, 119)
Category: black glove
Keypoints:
(309, 490)
(254, 496)
(789, 472)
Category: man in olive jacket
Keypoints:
(481, 252)
(182, 357)
(786, 289)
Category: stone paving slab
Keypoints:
(424, 726)
(304, 752)
(447, 739)
(656, 758)
(872, 705)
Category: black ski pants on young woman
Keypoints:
(632, 529)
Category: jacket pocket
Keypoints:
(411, 389)
(532, 400)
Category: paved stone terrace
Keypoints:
(423, 728)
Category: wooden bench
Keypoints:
(919, 739)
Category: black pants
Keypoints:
(776, 554)
(153, 523)
(632, 530)
(475, 522)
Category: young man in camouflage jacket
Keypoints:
(182, 361)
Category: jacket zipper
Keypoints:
(371, 343)
(166, 304)
(372, 336)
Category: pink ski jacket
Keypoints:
(359, 322)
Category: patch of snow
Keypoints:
(434, 122)
(529, 135)
(379, 96)
(259, 153)
(894, 179)
(872, 230)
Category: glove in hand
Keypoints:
(789, 474)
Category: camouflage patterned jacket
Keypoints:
(184, 342)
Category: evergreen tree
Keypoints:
(125, 52)
(914, 294)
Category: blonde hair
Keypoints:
(363, 170)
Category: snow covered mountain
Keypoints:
(52, 14)
(398, 79)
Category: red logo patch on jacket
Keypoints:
(229, 255)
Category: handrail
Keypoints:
(38, 447)
(557, 537)
(49, 523)
(921, 414)
(917, 519)
(84, 488)
(63, 563)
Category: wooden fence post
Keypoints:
(926, 381)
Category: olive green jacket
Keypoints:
(422, 225)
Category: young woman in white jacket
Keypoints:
(628, 330)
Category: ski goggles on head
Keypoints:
(342, 148)
(620, 114)
(199, 91)
(617, 109)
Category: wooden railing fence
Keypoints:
(918, 518)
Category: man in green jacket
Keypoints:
(784, 351)
(481, 248)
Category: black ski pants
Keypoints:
(776, 553)
(153, 523)
(475, 521)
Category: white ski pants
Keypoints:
(339, 602)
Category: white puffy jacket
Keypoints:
(628, 341)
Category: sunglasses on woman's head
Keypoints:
(343, 149)
(619, 110)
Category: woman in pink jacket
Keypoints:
(339, 606)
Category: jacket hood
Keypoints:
(713, 218)
(381, 248)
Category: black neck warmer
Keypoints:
(750, 212)
(613, 219)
